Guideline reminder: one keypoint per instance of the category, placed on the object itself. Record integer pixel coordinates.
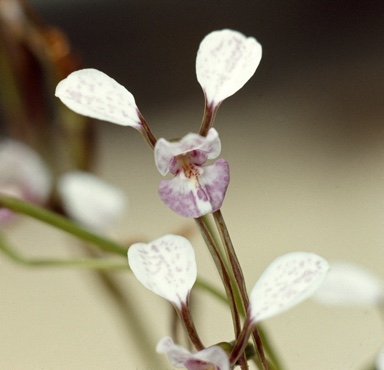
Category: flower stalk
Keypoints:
(60, 222)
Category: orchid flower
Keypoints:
(225, 61)
(90, 201)
(350, 285)
(23, 174)
(212, 358)
(195, 190)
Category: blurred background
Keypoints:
(304, 139)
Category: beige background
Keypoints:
(305, 143)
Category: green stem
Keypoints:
(220, 265)
(204, 285)
(84, 263)
(274, 361)
(221, 269)
(239, 283)
(232, 258)
(130, 312)
(60, 222)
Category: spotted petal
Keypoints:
(90, 201)
(286, 282)
(225, 61)
(212, 358)
(165, 151)
(348, 284)
(196, 197)
(94, 94)
(165, 266)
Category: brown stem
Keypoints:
(241, 342)
(210, 111)
(185, 316)
(146, 132)
(239, 279)
(222, 272)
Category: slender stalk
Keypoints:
(60, 222)
(186, 318)
(146, 132)
(232, 257)
(83, 263)
(239, 279)
(241, 342)
(222, 271)
(211, 227)
(209, 288)
(129, 310)
(208, 118)
(274, 361)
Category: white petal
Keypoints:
(165, 150)
(166, 266)
(348, 284)
(226, 60)
(23, 172)
(90, 201)
(287, 281)
(177, 355)
(94, 94)
(181, 358)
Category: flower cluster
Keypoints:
(225, 61)
(194, 185)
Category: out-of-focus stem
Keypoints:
(82, 263)
(60, 222)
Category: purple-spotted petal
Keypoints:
(348, 284)
(94, 94)
(286, 282)
(212, 358)
(204, 147)
(166, 266)
(197, 196)
(90, 201)
(215, 181)
(225, 61)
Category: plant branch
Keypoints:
(60, 222)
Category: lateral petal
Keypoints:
(94, 94)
